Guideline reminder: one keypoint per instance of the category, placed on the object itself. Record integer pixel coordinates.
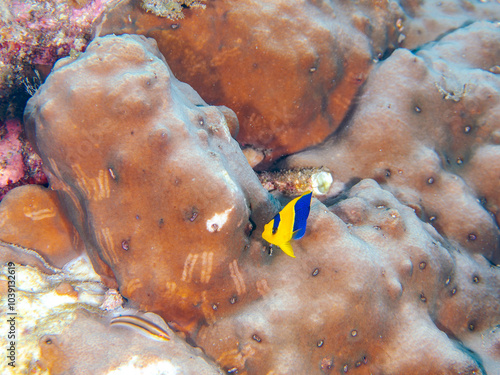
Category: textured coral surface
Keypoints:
(429, 20)
(290, 69)
(374, 291)
(31, 217)
(166, 205)
(398, 270)
(153, 179)
(426, 126)
(246, 54)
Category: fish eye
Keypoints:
(275, 230)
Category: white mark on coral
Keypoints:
(171, 287)
(237, 277)
(207, 309)
(81, 180)
(144, 365)
(262, 287)
(103, 182)
(215, 223)
(229, 181)
(108, 244)
(187, 272)
(54, 300)
(93, 188)
(206, 266)
(44, 213)
(132, 286)
(3, 218)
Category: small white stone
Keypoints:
(321, 182)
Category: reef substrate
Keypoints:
(398, 269)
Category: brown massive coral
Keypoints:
(426, 127)
(165, 203)
(32, 221)
(373, 291)
(288, 69)
(152, 179)
(429, 20)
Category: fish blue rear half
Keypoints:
(301, 208)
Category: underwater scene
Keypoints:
(258, 187)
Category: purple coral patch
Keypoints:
(19, 164)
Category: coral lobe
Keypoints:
(386, 110)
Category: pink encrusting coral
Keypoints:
(40, 32)
(33, 35)
(11, 159)
(19, 164)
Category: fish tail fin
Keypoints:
(298, 234)
(287, 249)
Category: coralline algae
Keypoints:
(33, 35)
(19, 164)
(11, 162)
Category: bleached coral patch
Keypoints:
(215, 223)
(140, 366)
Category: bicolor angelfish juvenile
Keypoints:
(290, 223)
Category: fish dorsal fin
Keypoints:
(287, 249)
(301, 209)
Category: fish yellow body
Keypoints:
(290, 223)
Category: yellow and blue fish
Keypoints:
(290, 223)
